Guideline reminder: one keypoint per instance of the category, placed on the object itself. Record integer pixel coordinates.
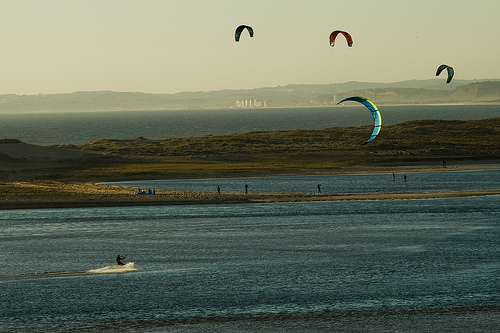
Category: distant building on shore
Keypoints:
(251, 103)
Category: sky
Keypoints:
(170, 46)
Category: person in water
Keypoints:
(119, 259)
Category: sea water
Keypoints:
(324, 266)
(80, 127)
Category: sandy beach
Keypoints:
(52, 194)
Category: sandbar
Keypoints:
(55, 194)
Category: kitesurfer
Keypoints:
(119, 259)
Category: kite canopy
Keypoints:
(375, 113)
(449, 69)
(334, 34)
(240, 29)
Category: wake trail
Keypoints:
(113, 269)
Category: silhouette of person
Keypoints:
(218, 189)
(444, 164)
(319, 188)
(246, 188)
(393, 176)
(404, 177)
(119, 259)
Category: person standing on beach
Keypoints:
(246, 188)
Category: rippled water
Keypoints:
(254, 267)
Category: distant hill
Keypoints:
(404, 92)
(480, 92)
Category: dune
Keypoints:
(22, 161)
(29, 152)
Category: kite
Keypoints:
(240, 29)
(334, 34)
(449, 69)
(375, 113)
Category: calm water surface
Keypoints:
(417, 182)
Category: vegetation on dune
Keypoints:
(467, 138)
(283, 151)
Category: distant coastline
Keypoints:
(413, 92)
(248, 108)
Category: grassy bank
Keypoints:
(330, 150)
(333, 150)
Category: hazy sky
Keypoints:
(168, 46)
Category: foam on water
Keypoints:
(128, 267)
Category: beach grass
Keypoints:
(330, 150)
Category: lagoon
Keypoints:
(417, 182)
